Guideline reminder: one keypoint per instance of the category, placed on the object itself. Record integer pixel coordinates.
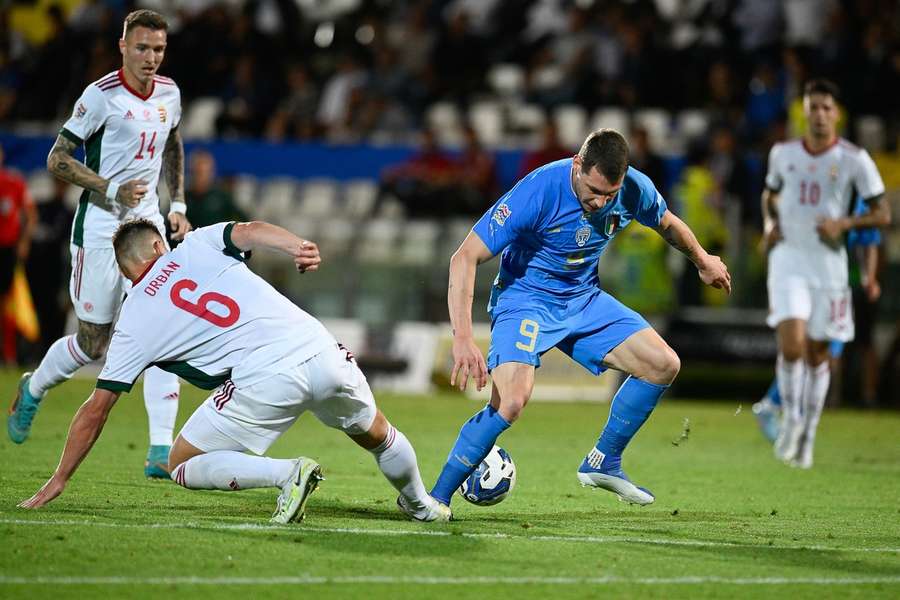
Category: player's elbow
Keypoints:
(53, 161)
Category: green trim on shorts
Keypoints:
(192, 375)
(114, 386)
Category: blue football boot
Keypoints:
(605, 472)
(157, 463)
(768, 417)
(22, 411)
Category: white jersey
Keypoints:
(200, 313)
(124, 134)
(812, 187)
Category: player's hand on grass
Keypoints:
(467, 361)
(831, 231)
(306, 256)
(53, 488)
(132, 192)
(180, 225)
(714, 272)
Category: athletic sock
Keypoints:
(63, 358)
(628, 411)
(230, 470)
(397, 460)
(161, 401)
(790, 375)
(476, 438)
(815, 391)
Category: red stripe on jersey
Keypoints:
(110, 86)
(79, 264)
(164, 80)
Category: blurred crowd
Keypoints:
(298, 69)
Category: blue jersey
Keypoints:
(550, 245)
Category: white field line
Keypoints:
(433, 533)
(421, 580)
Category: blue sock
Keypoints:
(476, 438)
(773, 394)
(630, 408)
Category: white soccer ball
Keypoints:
(492, 481)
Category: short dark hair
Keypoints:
(822, 86)
(144, 18)
(129, 233)
(607, 150)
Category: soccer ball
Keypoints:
(492, 481)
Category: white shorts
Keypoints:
(329, 385)
(828, 312)
(96, 286)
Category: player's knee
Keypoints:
(791, 353)
(93, 346)
(664, 367)
(511, 407)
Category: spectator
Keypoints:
(424, 182)
(642, 157)
(17, 220)
(476, 175)
(551, 149)
(48, 266)
(295, 116)
(207, 202)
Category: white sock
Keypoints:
(814, 392)
(791, 375)
(397, 460)
(63, 358)
(231, 471)
(161, 401)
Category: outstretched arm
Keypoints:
(61, 163)
(257, 235)
(711, 269)
(173, 169)
(84, 431)
(467, 357)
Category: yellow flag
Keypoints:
(20, 307)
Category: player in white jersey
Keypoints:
(128, 123)
(200, 312)
(807, 210)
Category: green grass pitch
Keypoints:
(729, 521)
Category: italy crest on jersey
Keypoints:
(611, 224)
(583, 235)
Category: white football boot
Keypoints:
(434, 512)
(304, 480)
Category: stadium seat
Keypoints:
(418, 244)
(507, 79)
(611, 117)
(277, 199)
(319, 199)
(199, 121)
(527, 118)
(377, 243)
(391, 209)
(487, 119)
(444, 119)
(246, 189)
(334, 237)
(571, 121)
(870, 132)
(40, 185)
(656, 122)
(692, 124)
(359, 198)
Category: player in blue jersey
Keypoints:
(552, 228)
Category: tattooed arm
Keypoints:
(173, 170)
(678, 235)
(61, 163)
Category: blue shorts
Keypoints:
(586, 328)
